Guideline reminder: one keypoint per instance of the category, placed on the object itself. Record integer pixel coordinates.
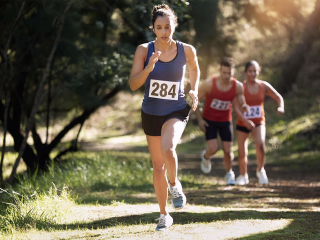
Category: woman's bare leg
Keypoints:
(259, 136)
(242, 138)
(170, 135)
(159, 172)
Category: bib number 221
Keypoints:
(220, 105)
(164, 89)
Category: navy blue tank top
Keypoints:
(164, 87)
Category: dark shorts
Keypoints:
(223, 128)
(244, 129)
(152, 124)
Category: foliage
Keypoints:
(94, 54)
(124, 204)
(90, 66)
(27, 206)
(38, 210)
(83, 172)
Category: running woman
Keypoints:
(254, 122)
(219, 93)
(160, 65)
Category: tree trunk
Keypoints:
(38, 94)
(296, 61)
(28, 156)
(5, 121)
(4, 54)
(42, 153)
(206, 55)
(205, 16)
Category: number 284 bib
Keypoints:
(164, 89)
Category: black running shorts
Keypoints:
(152, 124)
(223, 128)
(244, 129)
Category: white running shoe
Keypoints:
(205, 164)
(165, 221)
(230, 178)
(178, 198)
(242, 179)
(262, 176)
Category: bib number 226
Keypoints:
(164, 89)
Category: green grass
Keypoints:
(8, 162)
(110, 194)
(27, 205)
(38, 210)
(84, 172)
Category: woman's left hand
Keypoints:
(195, 100)
(280, 111)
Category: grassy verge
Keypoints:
(109, 194)
(36, 211)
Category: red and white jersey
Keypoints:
(218, 104)
(256, 104)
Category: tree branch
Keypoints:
(5, 52)
(38, 94)
(14, 27)
(73, 147)
(78, 120)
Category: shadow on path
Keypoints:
(303, 224)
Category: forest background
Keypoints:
(65, 67)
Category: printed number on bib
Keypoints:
(255, 112)
(220, 105)
(164, 89)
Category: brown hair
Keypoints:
(163, 10)
(251, 63)
(227, 62)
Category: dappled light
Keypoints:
(82, 82)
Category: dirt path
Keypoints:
(287, 208)
(288, 188)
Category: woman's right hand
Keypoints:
(202, 125)
(152, 61)
(249, 125)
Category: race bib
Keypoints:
(164, 89)
(255, 112)
(220, 105)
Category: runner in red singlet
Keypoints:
(254, 122)
(219, 93)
